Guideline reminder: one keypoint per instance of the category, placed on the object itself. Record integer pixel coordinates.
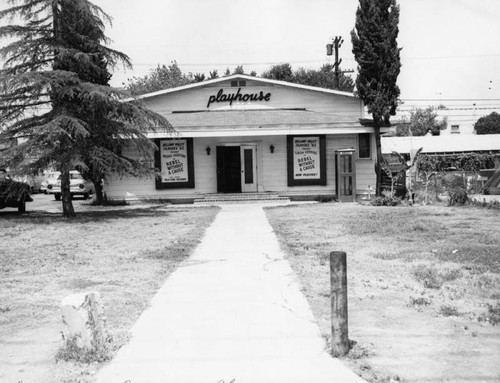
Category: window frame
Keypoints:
(369, 157)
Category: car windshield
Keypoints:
(73, 176)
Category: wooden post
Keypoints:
(338, 283)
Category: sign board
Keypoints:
(174, 163)
(306, 160)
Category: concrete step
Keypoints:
(239, 198)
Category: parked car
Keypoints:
(13, 193)
(78, 186)
(50, 179)
(34, 182)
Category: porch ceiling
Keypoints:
(261, 123)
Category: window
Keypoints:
(240, 83)
(236, 84)
(364, 145)
(455, 129)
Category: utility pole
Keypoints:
(330, 48)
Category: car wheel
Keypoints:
(57, 196)
(85, 195)
(21, 206)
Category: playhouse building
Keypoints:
(242, 135)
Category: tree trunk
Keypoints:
(99, 195)
(378, 161)
(67, 203)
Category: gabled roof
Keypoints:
(203, 84)
(256, 118)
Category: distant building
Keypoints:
(460, 115)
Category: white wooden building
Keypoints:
(244, 134)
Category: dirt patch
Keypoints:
(125, 254)
(420, 280)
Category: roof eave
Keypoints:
(246, 77)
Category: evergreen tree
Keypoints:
(376, 51)
(213, 74)
(56, 98)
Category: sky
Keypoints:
(450, 48)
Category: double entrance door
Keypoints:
(236, 169)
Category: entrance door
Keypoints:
(346, 175)
(228, 169)
(236, 169)
(248, 168)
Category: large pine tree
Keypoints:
(376, 51)
(56, 100)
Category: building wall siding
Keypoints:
(271, 170)
(281, 97)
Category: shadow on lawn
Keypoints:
(44, 218)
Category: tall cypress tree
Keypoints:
(375, 48)
(56, 96)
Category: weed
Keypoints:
(432, 278)
(492, 315)
(484, 282)
(357, 351)
(420, 301)
(428, 275)
(451, 275)
(449, 311)
(71, 351)
(485, 204)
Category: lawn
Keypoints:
(125, 254)
(423, 285)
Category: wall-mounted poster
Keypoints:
(174, 163)
(306, 160)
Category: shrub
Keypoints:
(458, 197)
(326, 198)
(385, 201)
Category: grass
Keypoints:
(405, 264)
(125, 254)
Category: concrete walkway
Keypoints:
(232, 313)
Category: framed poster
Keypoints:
(306, 160)
(174, 163)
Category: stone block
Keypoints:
(84, 320)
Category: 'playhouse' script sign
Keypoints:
(238, 96)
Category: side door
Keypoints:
(248, 155)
